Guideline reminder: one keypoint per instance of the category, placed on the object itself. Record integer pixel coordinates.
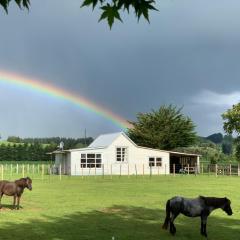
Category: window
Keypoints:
(91, 160)
(121, 154)
(158, 162)
(151, 162)
(155, 162)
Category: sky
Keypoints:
(188, 55)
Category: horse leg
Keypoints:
(14, 201)
(18, 201)
(172, 226)
(204, 225)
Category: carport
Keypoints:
(184, 162)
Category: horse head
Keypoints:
(227, 206)
(29, 183)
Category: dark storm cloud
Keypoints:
(189, 50)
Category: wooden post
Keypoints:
(60, 171)
(42, 170)
(216, 170)
(1, 171)
(33, 169)
(223, 171)
(188, 169)
(95, 171)
(238, 170)
(82, 170)
(103, 170)
(158, 170)
(174, 170)
(38, 168)
(75, 169)
(230, 169)
(28, 169)
(120, 170)
(128, 170)
(23, 171)
(202, 168)
(136, 169)
(150, 172)
(11, 170)
(17, 168)
(165, 166)
(111, 171)
(143, 170)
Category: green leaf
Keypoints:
(110, 13)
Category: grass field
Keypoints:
(96, 208)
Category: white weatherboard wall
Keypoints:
(137, 159)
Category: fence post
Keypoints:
(165, 166)
(42, 170)
(111, 171)
(82, 170)
(158, 170)
(60, 171)
(103, 170)
(23, 171)
(143, 169)
(230, 169)
(202, 168)
(136, 169)
(120, 174)
(174, 169)
(11, 170)
(238, 170)
(1, 171)
(38, 169)
(188, 169)
(216, 170)
(95, 171)
(128, 171)
(17, 168)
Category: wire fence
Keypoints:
(46, 171)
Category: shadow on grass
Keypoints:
(120, 222)
(8, 207)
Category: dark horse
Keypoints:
(197, 207)
(15, 189)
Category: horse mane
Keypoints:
(213, 201)
(21, 182)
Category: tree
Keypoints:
(231, 125)
(167, 128)
(111, 10)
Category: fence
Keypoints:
(45, 171)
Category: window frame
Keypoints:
(155, 163)
(95, 160)
(123, 155)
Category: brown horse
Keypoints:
(15, 189)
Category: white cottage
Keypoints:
(117, 154)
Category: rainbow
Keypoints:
(59, 93)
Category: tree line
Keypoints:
(37, 149)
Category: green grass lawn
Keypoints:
(97, 208)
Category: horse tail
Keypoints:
(167, 219)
